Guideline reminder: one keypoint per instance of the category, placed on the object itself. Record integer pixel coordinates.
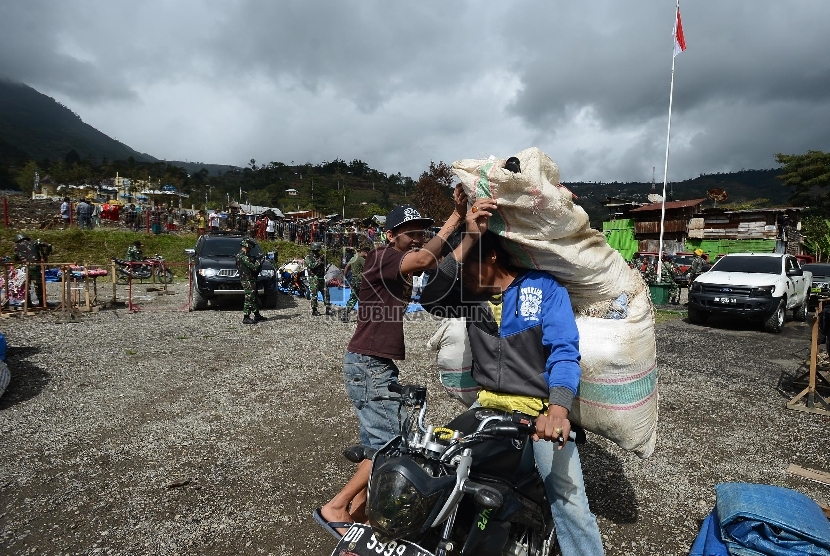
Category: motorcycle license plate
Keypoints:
(725, 300)
(360, 541)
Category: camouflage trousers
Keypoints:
(35, 278)
(316, 284)
(355, 286)
(251, 303)
(674, 293)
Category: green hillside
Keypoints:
(38, 126)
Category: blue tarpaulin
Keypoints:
(754, 520)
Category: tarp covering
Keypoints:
(716, 247)
(753, 520)
(620, 236)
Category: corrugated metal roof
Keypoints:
(669, 205)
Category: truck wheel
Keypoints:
(775, 322)
(696, 316)
(197, 301)
(800, 313)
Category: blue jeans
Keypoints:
(367, 377)
(576, 527)
(561, 470)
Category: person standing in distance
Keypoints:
(33, 253)
(249, 267)
(355, 266)
(697, 266)
(378, 341)
(315, 262)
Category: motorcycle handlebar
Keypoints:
(520, 429)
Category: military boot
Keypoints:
(328, 311)
(258, 317)
(315, 312)
(248, 320)
(344, 316)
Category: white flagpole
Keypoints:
(668, 139)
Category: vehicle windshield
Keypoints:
(817, 269)
(759, 265)
(225, 247)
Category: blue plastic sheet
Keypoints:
(708, 541)
(755, 520)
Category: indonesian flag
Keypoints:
(677, 33)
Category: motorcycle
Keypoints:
(468, 488)
(152, 267)
(293, 278)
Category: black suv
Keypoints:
(215, 274)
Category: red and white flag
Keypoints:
(677, 33)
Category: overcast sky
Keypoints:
(397, 84)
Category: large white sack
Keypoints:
(546, 230)
(455, 360)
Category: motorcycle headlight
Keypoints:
(763, 291)
(208, 272)
(266, 273)
(403, 499)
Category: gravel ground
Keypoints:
(167, 432)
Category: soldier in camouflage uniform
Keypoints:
(134, 252)
(355, 264)
(315, 263)
(669, 271)
(696, 268)
(28, 251)
(249, 267)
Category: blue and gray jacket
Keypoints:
(535, 351)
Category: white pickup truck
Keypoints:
(760, 286)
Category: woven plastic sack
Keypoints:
(545, 230)
(455, 360)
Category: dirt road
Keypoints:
(166, 432)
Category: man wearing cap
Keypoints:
(378, 340)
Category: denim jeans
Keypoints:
(561, 470)
(576, 527)
(367, 377)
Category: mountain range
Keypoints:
(35, 126)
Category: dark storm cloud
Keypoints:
(400, 84)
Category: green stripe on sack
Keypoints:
(462, 379)
(627, 393)
(483, 190)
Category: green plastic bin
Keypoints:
(659, 293)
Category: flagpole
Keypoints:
(668, 140)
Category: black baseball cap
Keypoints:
(405, 214)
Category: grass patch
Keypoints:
(661, 316)
(131, 352)
(97, 247)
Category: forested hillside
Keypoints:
(33, 125)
